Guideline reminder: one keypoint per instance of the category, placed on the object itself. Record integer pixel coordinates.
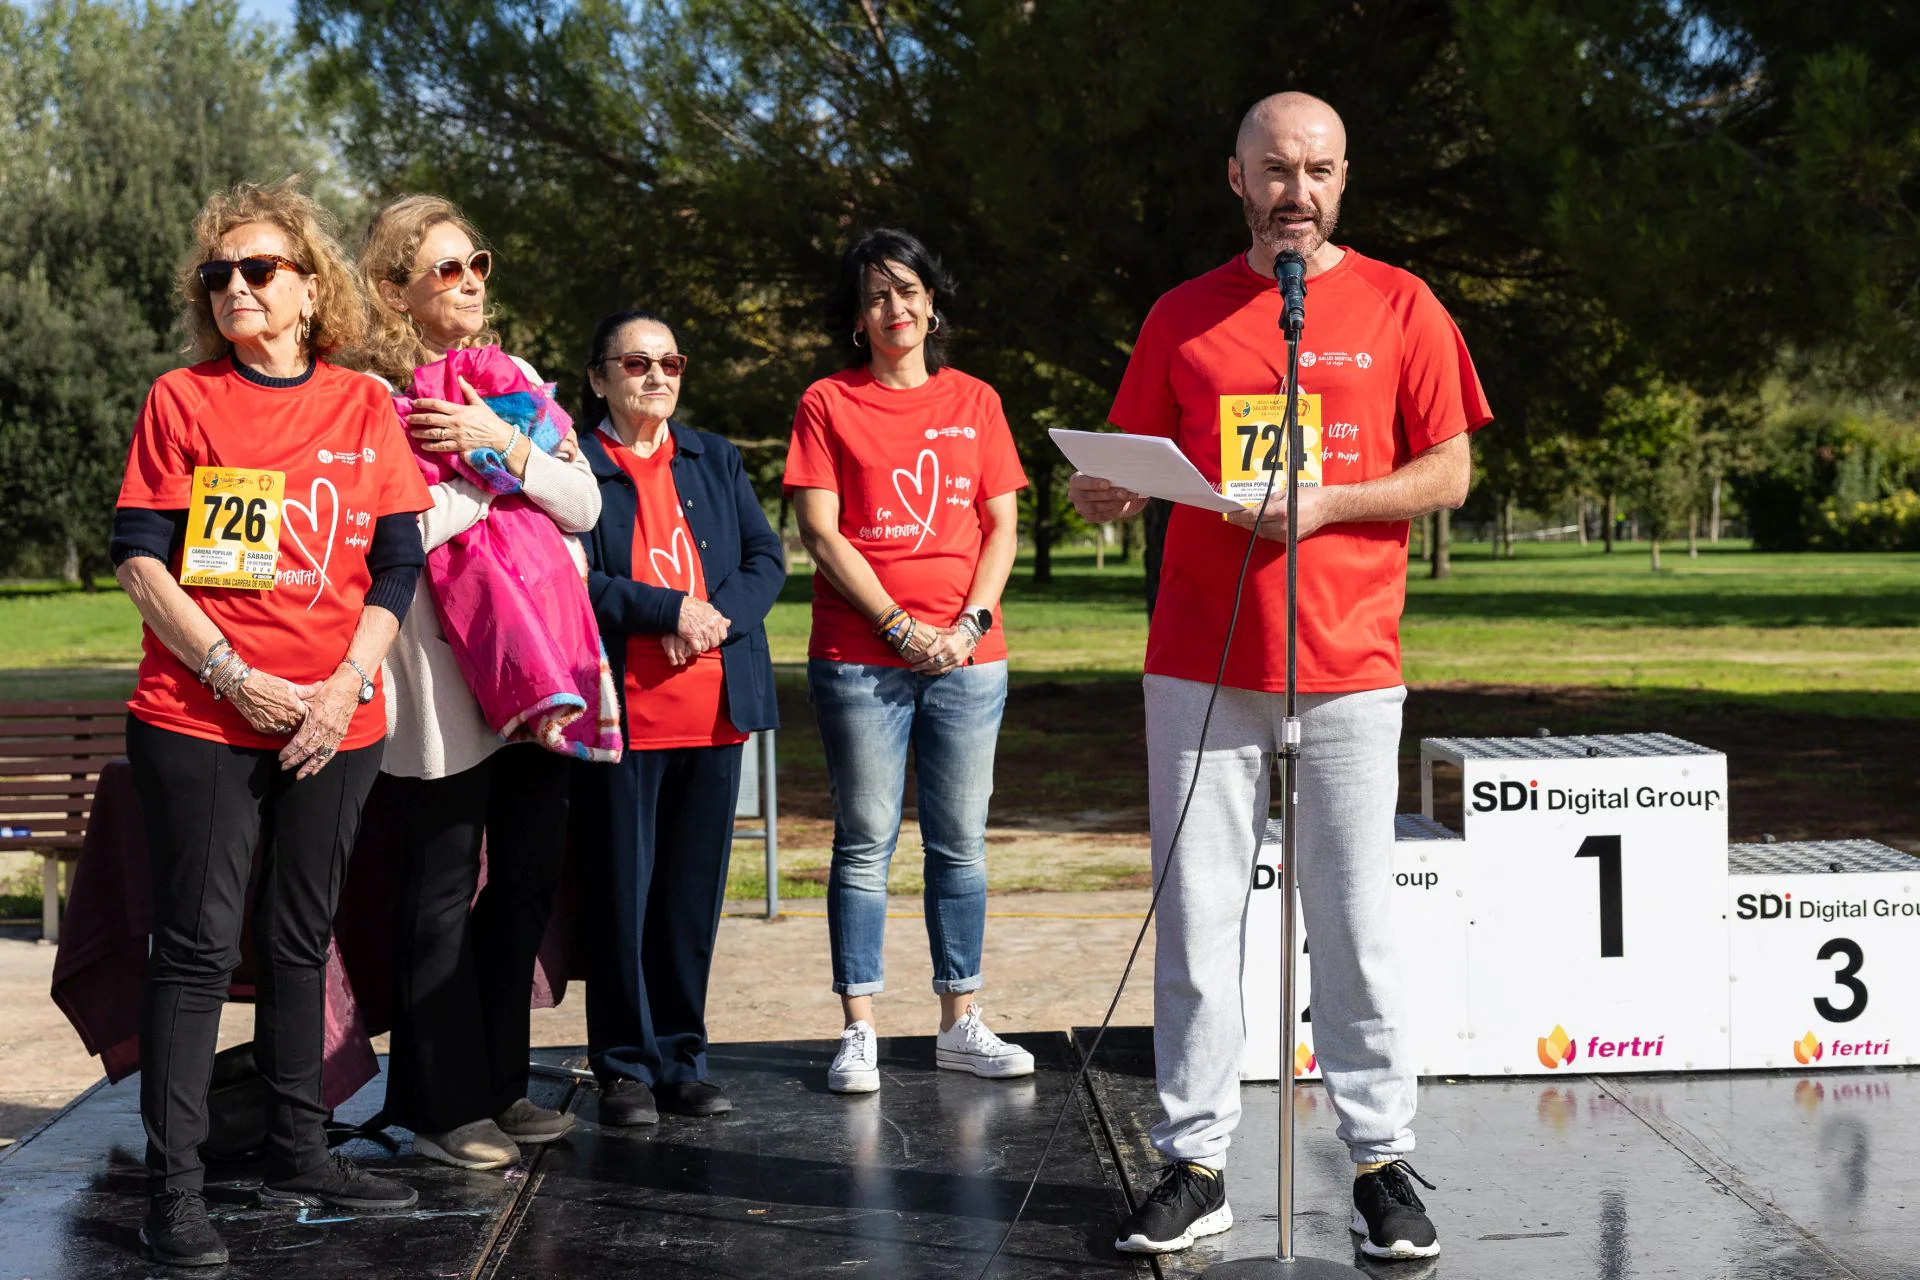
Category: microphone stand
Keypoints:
(1285, 1264)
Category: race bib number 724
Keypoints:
(1252, 443)
(233, 529)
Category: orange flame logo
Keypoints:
(1303, 1059)
(1558, 1049)
(1807, 1050)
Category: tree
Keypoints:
(1654, 433)
(116, 122)
(1067, 158)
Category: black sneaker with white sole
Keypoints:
(1190, 1202)
(1388, 1216)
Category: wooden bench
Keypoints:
(51, 754)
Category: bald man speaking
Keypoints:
(1387, 379)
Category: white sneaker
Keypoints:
(856, 1068)
(967, 1045)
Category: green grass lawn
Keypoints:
(1838, 633)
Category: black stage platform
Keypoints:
(1805, 1176)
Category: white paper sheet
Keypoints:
(1150, 465)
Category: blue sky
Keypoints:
(276, 11)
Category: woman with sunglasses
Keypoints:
(266, 533)
(463, 967)
(684, 569)
(905, 480)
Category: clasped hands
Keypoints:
(701, 627)
(317, 715)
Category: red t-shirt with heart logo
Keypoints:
(913, 469)
(1392, 377)
(347, 463)
(668, 706)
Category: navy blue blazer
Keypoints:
(740, 556)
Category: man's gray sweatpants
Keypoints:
(1349, 781)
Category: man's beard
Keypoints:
(1269, 231)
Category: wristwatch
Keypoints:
(984, 619)
(366, 682)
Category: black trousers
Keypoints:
(657, 831)
(208, 807)
(463, 968)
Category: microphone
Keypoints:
(1290, 269)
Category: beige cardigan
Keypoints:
(434, 725)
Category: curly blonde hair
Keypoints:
(394, 346)
(339, 316)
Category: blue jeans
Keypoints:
(868, 715)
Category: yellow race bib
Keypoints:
(233, 529)
(1252, 443)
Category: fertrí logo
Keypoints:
(1560, 1049)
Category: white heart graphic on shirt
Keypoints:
(312, 510)
(682, 576)
(927, 490)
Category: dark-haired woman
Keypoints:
(683, 568)
(904, 479)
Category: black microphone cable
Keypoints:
(1173, 844)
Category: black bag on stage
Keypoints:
(237, 1101)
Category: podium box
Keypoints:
(1591, 916)
(1823, 954)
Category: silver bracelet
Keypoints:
(971, 627)
(214, 651)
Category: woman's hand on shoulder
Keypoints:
(442, 426)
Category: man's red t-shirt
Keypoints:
(913, 470)
(668, 706)
(347, 463)
(1393, 379)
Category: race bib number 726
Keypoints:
(233, 529)
(1252, 443)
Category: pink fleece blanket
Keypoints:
(511, 590)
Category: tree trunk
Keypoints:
(1509, 511)
(786, 505)
(1653, 545)
(1442, 519)
(1154, 542)
(1580, 518)
(1042, 524)
(1126, 541)
(1606, 529)
(70, 566)
(1713, 510)
(1693, 535)
(1100, 546)
(1420, 538)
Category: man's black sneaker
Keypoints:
(1388, 1216)
(625, 1102)
(694, 1098)
(340, 1184)
(1190, 1202)
(177, 1232)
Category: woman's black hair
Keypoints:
(593, 408)
(878, 249)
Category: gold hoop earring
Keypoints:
(306, 328)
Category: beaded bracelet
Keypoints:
(887, 620)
